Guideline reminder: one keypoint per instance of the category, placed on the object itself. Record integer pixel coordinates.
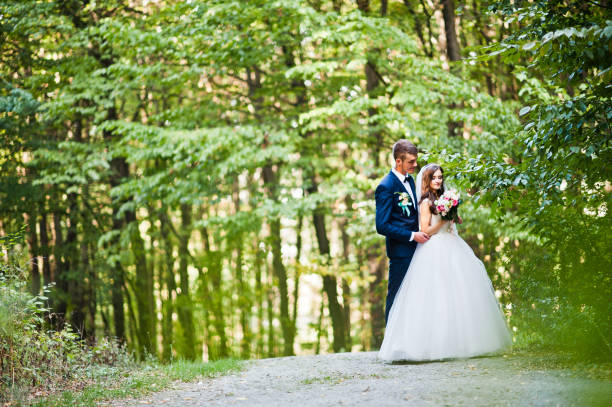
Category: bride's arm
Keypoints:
(425, 220)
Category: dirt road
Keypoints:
(349, 379)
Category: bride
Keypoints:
(445, 307)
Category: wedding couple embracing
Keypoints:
(440, 301)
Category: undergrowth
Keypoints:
(42, 366)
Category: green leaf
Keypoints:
(524, 110)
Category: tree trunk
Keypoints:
(346, 300)
(117, 286)
(270, 314)
(320, 324)
(330, 284)
(143, 287)
(33, 248)
(377, 290)
(119, 171)
(170, 285)
(244, 300)
(278, 267)
(183, 299)
(77, 274)
(346, 290)
(45, 250)
(281, 275)
(452, 44)
(205, 295)
(90, 283)
(61, 273)
(89, 294)
(376, 286)
(453, 52)
(213, 296)
(259, 296)
(296, 287)
(363, 5)
(133, 325)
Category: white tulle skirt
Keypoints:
(445, 307)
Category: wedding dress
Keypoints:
(446, 307)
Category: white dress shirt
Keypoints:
(402, 177)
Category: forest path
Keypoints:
(346, 379)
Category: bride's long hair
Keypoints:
(426, 191)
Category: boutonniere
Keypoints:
(405, 202)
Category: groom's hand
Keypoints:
(420, 237)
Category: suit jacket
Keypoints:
(391, 221)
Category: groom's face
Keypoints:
(407, 165)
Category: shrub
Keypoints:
(33, 359)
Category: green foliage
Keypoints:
(558, 180)
(56, 368)
(158, 144)
(34, 358)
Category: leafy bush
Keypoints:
(556, 178)
(34, 360)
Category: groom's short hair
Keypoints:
(403, 147)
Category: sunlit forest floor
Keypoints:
(516, 378)
(100, 382)
(361, 379)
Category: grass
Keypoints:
(569, 363)
(188, 371)
(116, 383)
(338, 378)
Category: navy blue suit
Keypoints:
(397, 227)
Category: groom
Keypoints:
(396, 218)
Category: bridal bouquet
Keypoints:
(447, 205)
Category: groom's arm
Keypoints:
(384, 202)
